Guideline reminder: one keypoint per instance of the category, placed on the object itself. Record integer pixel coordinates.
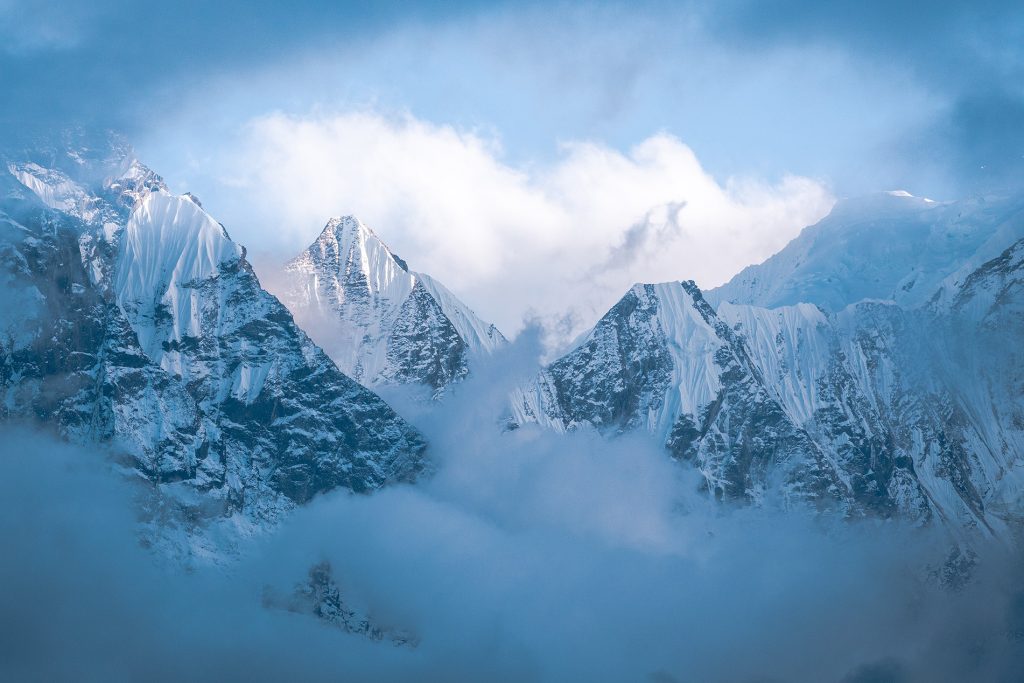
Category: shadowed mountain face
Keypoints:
(379, 321)
(132, 318)
(911, 407)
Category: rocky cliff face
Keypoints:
(133, 319)
(381, 322)
(877, 408)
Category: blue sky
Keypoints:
(505, 99)
(894, 91)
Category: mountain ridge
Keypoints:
(879, 407)
(880, 246)
(145, 327)
(381, 322)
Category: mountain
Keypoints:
(879, 407)
(662, 360)
(889, 246)
(133, 319)
(381, 322)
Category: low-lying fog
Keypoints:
(527, 556)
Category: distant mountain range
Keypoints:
(132, 318)
(872, 367)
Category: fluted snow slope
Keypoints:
(379, 321)
(142, 324)
(876, 407)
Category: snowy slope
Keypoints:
(984, 362)
(379, 321)
(888, 246)
(148, 329)
(168, 246)
(876, 408)
(662, 360)
(480, 336)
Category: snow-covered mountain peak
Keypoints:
(838, 372)
(347, 248)
(142, 323)
(655, 349)
(880, 246)
(378, 320)
(340, 228)
(347, 269)
(97, 182)
(349, 229)
(873, 206)
(169, 243)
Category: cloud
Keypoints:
(118, 62)
(528, 556)
(866, 96)
(513, 241)
(659, 226)
(968, 56)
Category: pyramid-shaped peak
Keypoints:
(348, 222)
(380, 321)
(686, 291)
(340, 225)
(348, 231)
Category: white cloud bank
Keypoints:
(560, 241)
(527, 556)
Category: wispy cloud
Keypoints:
(528, 556)
(658, 229)
(513, 241)
(883, 95)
